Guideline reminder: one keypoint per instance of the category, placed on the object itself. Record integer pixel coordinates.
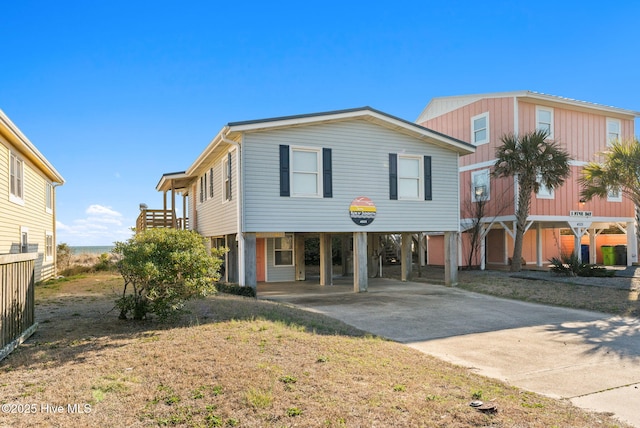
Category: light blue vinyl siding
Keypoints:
(277, 273)
(360, 168)
(217, 216)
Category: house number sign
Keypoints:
(362, 211)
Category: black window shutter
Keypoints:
(327, 180)
(393, 176)
(229, 172)
(211, 182)
(428, 193)
(284, 171)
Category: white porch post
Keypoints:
(592, 246)
(360, 277)
(632, 243)
(539, 245)
(483, 247)
(576, 246)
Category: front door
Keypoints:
(260, 260)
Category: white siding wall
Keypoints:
(217, 216)
(360, 152)
(32, 215)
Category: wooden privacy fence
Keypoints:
(17, 306)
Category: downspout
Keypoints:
(239, 199)
(55, 230)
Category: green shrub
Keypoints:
(235, 289)
(165, 268)
(569, 265)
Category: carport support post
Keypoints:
(250, 279)
(451, 258)
(406, 256)
(347, 262)
(360, 277)
(299, 255)
(326, 263)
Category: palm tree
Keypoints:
(619, 171)
(535, 162)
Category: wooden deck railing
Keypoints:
(150, 219)
(17, 306)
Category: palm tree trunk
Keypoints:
(524, 205)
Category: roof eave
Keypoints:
(28, 149)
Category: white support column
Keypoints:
(539, 244)
(592, 246)
(577, 250)
(632, 244)
(451, 258)
(483, 246)
(326, 263)
(360, 277)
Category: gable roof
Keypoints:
(234, 129)
(442, 105)
(26, 148)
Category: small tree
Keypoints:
(165, 268)
(63, 254)
(535, 162)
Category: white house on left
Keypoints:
(349, 177)
(28, 183)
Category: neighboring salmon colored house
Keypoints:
(584, 129)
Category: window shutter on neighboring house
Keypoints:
(393, 176)
(428, 192)
(327, 180)
(284, 171)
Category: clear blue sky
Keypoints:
(116, 93)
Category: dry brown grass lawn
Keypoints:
(242, 362)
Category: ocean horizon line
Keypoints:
(91, 249)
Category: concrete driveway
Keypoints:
(589, 358)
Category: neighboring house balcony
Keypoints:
(153, 219)
(176, 182)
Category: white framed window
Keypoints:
(544, 119)
(226, 178)
(480, 185)
(283, 251)
(48, 245)
(614, 195)
(410, 177)
(48, 195)
(24, 239)
(614, 130)
(544, 192)
(306, 167)
(16, 179)
(480, 129)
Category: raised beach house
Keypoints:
(261, 187)
(559, 220)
